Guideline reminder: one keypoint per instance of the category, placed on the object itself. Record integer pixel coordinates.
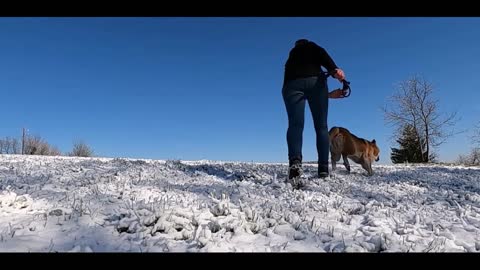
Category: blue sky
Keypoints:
(210, 88)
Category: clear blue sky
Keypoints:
(210, 88)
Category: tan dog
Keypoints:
(345, 144)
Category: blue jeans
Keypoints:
(295, 93)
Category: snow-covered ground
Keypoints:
(50, 204)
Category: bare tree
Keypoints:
(475, 156)
(462, 159)
(81, 149)
(413, 104)
(35, 145)
(32, 145)
(476, 135)
(9, 145)
(54, 151)
(472, 158)
(15, 146)
(23, 141)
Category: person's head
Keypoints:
(301, 42)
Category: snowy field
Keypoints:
(63, 204)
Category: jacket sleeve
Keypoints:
(325, 59)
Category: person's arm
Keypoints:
(327, 61)
(337, 93)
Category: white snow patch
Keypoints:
(72, 204)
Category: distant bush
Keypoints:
(36, 145)
(81, 149)
(472, 158)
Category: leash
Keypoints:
(346, 90)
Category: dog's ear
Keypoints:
(374, 141)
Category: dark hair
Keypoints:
(301, 42)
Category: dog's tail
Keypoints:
(336, 138)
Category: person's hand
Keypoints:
(338, 93)
(339, 75)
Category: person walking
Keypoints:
(305, 81)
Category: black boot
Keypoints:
(295, 169)
(323, 170)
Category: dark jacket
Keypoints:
(306, 60)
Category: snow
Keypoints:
(68, 204)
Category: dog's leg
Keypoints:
(367, 165)
(346, 163)
(370, 167)
(334, 163)
(334, 158)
